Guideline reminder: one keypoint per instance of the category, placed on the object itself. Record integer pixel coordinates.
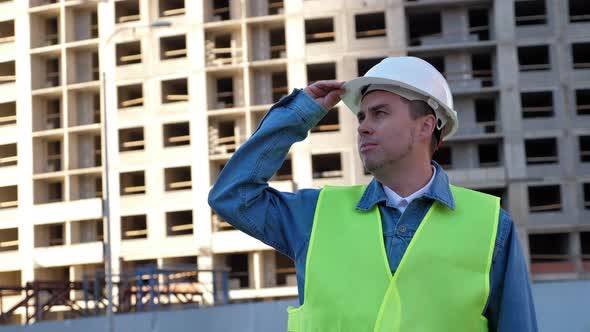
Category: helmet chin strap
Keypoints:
(438, 145)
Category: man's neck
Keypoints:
(405, 180)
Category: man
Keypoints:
(408, 252)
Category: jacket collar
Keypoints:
(439, 190)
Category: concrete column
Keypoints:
(254, 268)
(25, 156)
(509, 106)
(455, 24)
(269, 268)
(107, 63)
(575, 250)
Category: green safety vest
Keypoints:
(441, 284)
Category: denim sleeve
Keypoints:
(241, 194)
(510, 304)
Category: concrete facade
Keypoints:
(181, 98)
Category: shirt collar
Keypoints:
(438, 190)
(397, 200)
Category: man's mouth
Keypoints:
(364, 147)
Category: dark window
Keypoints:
(173, 47)
(544, 198)
(530, 12)
(541, 151)
(579, 11)
(326, 165)
(330, 122)
(370, 25)
(533, 58)
(134, 227)
(537, 104)
(319, 30)
(238, 264)
(132, 183)
(178, 178)
(174, 90)
(479, 23)
(485, 114)
(422, 26)
(179, 223)
(581, 55)
(583, 101)
(128, 53)
(585, 149)
(131, 139)
(171, 8)
(221, 9)
(586, 189)
(321, 71)
(130, 95)
(127, 11)
(444, 157)
(176, 134)
(489, 155)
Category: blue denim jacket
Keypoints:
(284, 221)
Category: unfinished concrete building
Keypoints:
(181, 99)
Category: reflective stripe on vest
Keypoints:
(441, 283)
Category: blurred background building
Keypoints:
(187, 82)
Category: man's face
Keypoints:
(386, 130)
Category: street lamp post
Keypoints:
(106, 206)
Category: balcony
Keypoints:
(45, 26)
(448, 28)
(269, 38)
(222, 49)
(81, 22)
(225, 136)
(68, 255)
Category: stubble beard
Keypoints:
(380, 166)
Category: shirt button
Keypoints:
(402, 229)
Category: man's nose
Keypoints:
(365, 128)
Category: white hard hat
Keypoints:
(411, 78)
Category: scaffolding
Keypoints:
(143, 289)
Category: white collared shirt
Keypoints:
(401, 203)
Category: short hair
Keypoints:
(418, 109)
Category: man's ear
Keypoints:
(427, 127)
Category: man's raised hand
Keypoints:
(325, 93)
